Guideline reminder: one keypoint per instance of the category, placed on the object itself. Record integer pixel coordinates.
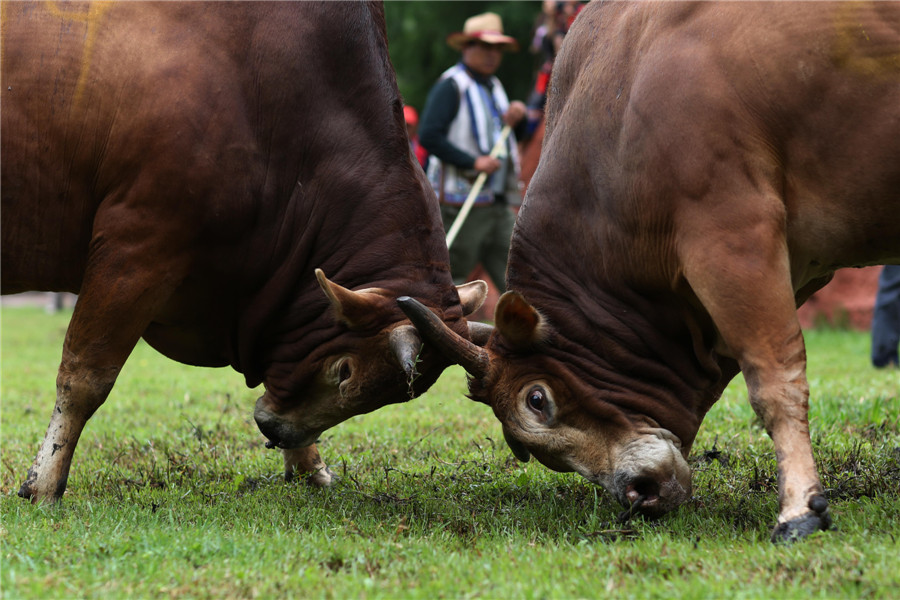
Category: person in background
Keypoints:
(556, 18)
(886, 319)
(462, 120)
(412, 130)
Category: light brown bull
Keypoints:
(706, 167)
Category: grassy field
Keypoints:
(172, 494)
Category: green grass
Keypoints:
(172, 494)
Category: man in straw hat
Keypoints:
(461, 122)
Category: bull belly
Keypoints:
(187, 346)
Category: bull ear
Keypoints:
(518, 321)
(472, 295)
(354, 308)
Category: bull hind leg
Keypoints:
(112, 312)
(307, 462)
(743, 281)
(79, 393)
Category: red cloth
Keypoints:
(420, 151)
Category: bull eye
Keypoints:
(536, 399)
(343, 371)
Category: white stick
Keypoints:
(499, 147)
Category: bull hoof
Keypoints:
(797, 529)
(25, 492)
(322, 478)
(28, 493)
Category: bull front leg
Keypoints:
(773, 361)
(780, 396)
(739, 270)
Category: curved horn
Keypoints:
(474, 359)
(480, 332)
(406, 345)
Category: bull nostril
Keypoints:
(641, 493)
(644, 489)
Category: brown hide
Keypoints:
(706, 167)
(185, 167)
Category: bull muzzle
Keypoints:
(649, 496)
(652, 477)
(281, 432)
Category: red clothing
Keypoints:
(420, 152)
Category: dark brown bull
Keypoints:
(706, 167)
(187, 169)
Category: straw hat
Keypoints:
(486, 27)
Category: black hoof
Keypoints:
(25, 492)
(28, 493)
(808, 524)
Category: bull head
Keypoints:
(639, 462)
(370, 359)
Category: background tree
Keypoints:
(417, 33)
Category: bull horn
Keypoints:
(473, 358)
(480, 332)
(406, 345)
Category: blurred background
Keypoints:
(417, 33)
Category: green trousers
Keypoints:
(484, 238)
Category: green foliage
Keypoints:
(172, 494)
(417, 33)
